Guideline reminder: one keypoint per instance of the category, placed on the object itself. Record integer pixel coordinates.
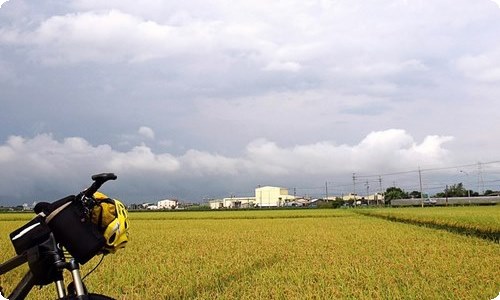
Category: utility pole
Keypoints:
(326, 190)
(468, 190)
(446, 194)
(354, 187)
(480, 177)
(380, 186)
(354, 183)
(367, 192)
(420, 180)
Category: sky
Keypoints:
(195, 100)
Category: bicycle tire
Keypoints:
(99, 297)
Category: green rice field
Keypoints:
(292, 254)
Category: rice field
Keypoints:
(288, 254)
(476, 220)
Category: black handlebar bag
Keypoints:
(29, 235)
(74, 230)
(34, 240)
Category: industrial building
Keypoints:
(232, 202)
(267, 196)
(270, 196)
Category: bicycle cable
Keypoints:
(100, 261)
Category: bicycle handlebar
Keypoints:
(99, 180)
(85, 197)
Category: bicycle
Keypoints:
(59, 227)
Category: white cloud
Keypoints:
(201, 163)
(108, 37)
(381, 151)
(43, 158)
(146, 132)
(283, 66)
(113, 36)
(484, 67)
(142, 159)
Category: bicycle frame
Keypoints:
(57, 260)
(26, 284)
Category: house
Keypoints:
(167, 204)
(298, 202)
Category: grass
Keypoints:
(291, 254)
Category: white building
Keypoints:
(271, 196)
(167, 204)
(377, 197)
(351, 196)
(267, 196)
(232, 202)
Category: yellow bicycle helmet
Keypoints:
(112, 219)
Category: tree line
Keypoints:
(455, 190)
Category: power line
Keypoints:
(429, 169)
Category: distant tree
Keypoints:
(488, 192)
(455, 190)
(415, 194)
(395, 193)
(338, 202)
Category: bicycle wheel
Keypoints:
(99, 297)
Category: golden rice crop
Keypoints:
(474, 219)
(303, 254)
(237, 214)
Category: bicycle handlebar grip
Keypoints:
(99, 180)
(104, 177)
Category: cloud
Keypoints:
(142, 159)
(146, 132)
(242, 93)
(201, 163)
(381, 151)
(484, 67)
(283, 66)
(106, 37)
(2, 2)
(42, 159)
